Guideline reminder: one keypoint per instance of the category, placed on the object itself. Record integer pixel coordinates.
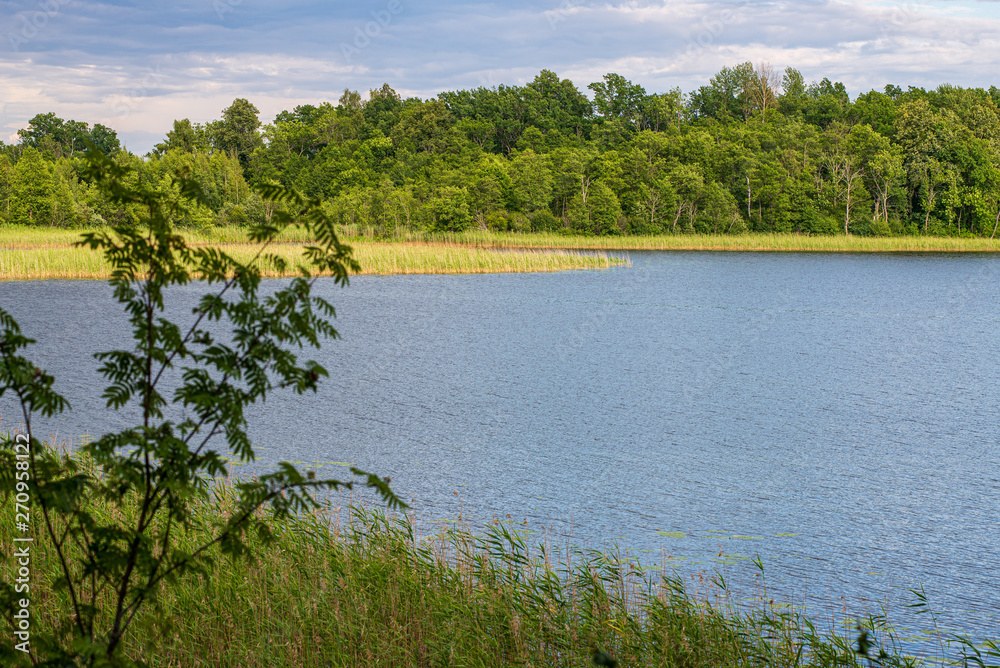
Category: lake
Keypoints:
(835, 414)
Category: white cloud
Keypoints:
(137, 68)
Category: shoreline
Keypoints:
(470, 594)
(747, 242)
(48, 253)
(55, 261)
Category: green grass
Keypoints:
(359, 588)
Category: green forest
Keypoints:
(753, 150)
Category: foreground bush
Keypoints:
(113, 526)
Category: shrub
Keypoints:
(111, 567)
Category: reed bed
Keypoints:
(32, 253)
(411, 258)
(17, 236)
(68, 262)
(385, 258)
(750, 241)
(354, 586)
(37, 237)
(12, 236)
(21, 264)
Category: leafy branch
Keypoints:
(241, 346)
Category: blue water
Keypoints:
(835, 414)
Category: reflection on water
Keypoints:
(834, 414)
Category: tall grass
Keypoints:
(51, 255)
(751, 241)
(19, 264)
(38, 237)
(23, 236)
(412, 258)
(409, 258)
(28, 253)
(362, 588)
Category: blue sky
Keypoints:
(138, 66)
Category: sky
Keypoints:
(138, 66)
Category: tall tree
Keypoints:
(424, 127)
(58, 138)
(381, 111)
(350, 101)
(105, 139)
(761, 90)
(883, 170)
(845, 168)
(238, 133)
(596, 210)
(42, 127)
(531, 179)
(557, 105)
(7, 176)
(185, 137)
(828, 102)
(617, 97)
(33, 200)
(662, 111)
(877, 110)
(725, 97)
(505, 111)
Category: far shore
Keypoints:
(746, 242)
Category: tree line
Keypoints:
(753, 149)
